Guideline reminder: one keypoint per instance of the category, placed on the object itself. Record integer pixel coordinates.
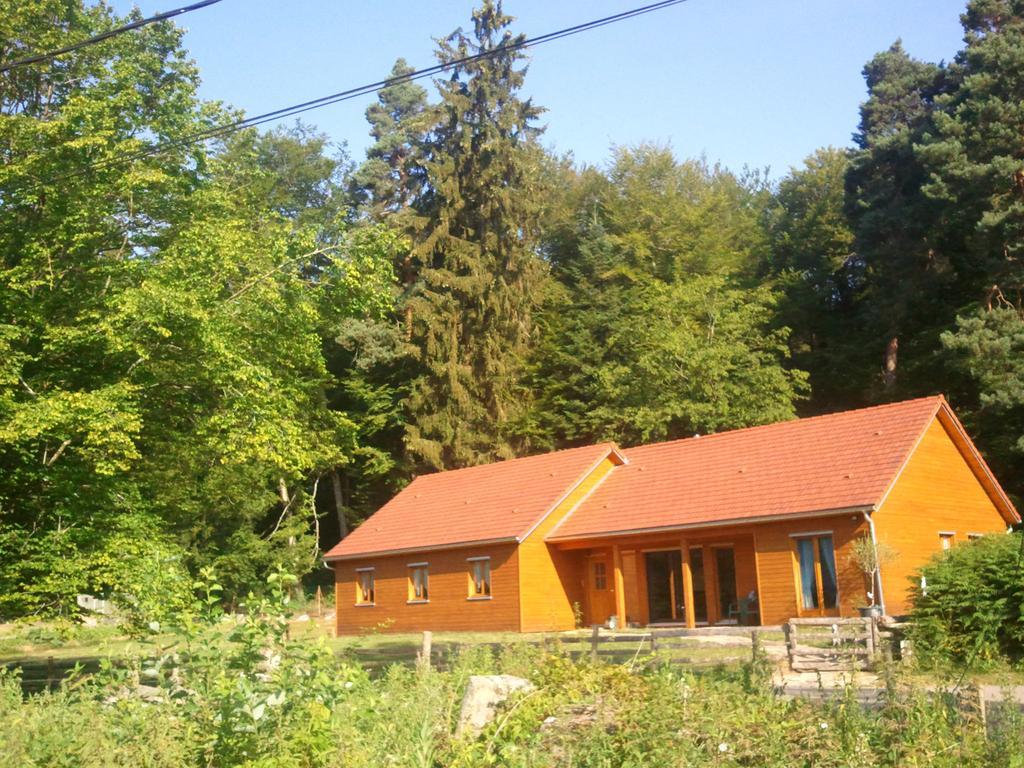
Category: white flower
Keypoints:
(823, 726)
(723, 747)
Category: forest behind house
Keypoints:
(225, 354)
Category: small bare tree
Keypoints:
(870, 556)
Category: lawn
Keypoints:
(32, 646)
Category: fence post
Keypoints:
(49, 673)
(319, 603)
(595, 638)
(789, 630)
(755, 646)
(425, 650)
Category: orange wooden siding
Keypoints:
(551, 580)
(936, 492)
(777, 572)
(448, 608)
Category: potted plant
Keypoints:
(870, 556)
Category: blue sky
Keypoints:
(755, 82)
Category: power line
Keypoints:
(352, 93)
(106, 35)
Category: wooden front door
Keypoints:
(600, 588)
(817, 579)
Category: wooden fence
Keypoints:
(827, 644)
(810, 644)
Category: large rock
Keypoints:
(94, 604)
(483, 695)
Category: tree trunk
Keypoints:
(339, 503)
(889, 360)
(282, 492)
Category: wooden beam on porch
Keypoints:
(691, 620)
(620, 586)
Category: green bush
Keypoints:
(972, 608)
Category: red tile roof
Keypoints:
(501, 501)
(825, 463)
(838, 461)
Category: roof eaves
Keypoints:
(412, 550)
(713, 523)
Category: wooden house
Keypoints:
(749, 526)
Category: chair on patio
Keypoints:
(744, 609)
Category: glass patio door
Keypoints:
(819, 587)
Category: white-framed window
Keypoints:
(365, 586)
(479, 578)
(946, 539)
(419, 582)
(974, 536)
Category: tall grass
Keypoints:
(260, 699)
(581, 714)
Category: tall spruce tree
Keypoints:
(476, 239)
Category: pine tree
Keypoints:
(975, 159)
(392, 177)
(476, 238)
(975, 155)
(893, 220)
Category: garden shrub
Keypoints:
(972, 607)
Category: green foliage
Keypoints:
(906, 269)
(205, 350)
(163, 324)
(392, 176)
(970, 609)
(240, 693)
(656, 332)
(475, 237)
(812, 258)
(652, 361)
(870, 556)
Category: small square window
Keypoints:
(480, 577)
(946, 539)
(365, 587)
(418, 583)
(974, 536)
(600, 575)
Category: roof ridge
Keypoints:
(500, 462)
(939, 398)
